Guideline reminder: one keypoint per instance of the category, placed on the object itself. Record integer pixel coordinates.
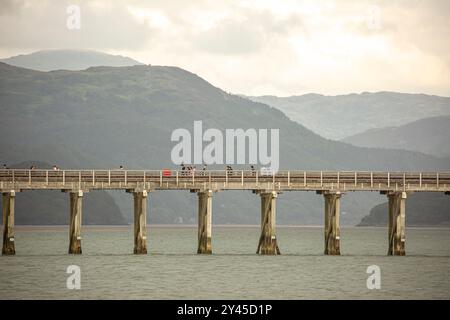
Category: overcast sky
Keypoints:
(259, 47)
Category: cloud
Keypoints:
(243, 31)
(11, 7)
(42, 24)
(231, 38)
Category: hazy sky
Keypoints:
(259, 47)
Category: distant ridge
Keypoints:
(430, 135)
(422, 209)
(49, 60)
(337, 117)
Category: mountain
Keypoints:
(49, 60)
(111, 116)
(430, 135)
(422, 209)
(37, 207)
(337, 117)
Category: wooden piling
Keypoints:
(267, 241)
(8, 201)
(396, 223)
(204, 222)
(332, 224)
(76, 206)
(140, 222)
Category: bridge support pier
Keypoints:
(268, 241)
(140, 222)
(332, 225)
(76, 209)
(8, 201)
(204, 222)
(396, 223)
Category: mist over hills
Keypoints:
(337, 117)
(103, 117)
(48, 60)
(430, 135)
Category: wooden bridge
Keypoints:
(331, 184)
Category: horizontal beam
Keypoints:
(224, 180)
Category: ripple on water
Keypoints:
(172, 270)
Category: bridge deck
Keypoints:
(23, 179)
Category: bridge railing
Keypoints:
(362, 179)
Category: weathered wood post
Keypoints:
(396, 223)
(140, 222)
(268, 240)
(76, 209)
(332, 226)
(204, 221)
(8, 201)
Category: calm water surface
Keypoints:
(172, 270)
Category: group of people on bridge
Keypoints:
(191, 170)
